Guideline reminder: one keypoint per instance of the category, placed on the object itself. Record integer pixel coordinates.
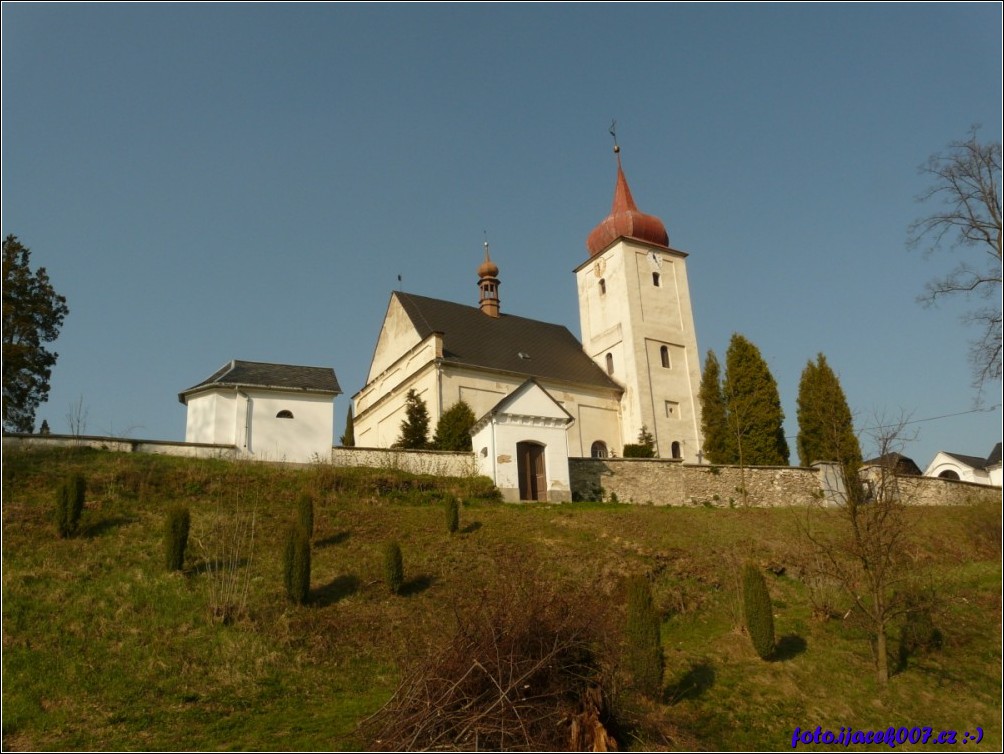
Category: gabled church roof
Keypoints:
(259, 374)
(505, 343)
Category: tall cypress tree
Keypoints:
(349, 438)
(825, 426)
(415, 427)
(714, 424)
(755, 417)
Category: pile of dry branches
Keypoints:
(519, 673)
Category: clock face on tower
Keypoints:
(656, 260)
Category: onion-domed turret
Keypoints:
(625, 220)
(488, 284)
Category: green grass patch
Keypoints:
(104, 649)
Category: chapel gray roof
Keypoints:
(259, 374)
(974, 462)
(995, 456)
(505, 343)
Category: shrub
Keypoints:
(521, 671)
(70, 504)
(453, 431)
(393, 567)
(176, 537)
(918, 635)
(637, 450)
(643, 655)
(305, 514)
(452, 515)
(759, 611)
(296, 564)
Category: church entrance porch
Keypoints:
(532, 474)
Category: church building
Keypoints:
(543, 395)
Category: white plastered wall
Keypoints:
(631, 318)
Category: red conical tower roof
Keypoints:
(625, 219)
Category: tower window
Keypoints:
(676, 450)
(610, 363)
(603, 287)
(656, 280)
(284, 414)
(664, 355)
(672, 410)
(598, 450)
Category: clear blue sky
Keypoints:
(207, 182)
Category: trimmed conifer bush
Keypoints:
(643, 653)
(393, 566)
(70, 504)
(296, 564)
(452, 515)
(305, 514)
(759, 611)
(176, 537)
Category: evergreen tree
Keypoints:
(453, 431)
(758, 611)
(644, 448)
(33, 313)
(753, 408)
(348, 440)
(415, 427)
(643, 657)
(714, 423)
(825, 426)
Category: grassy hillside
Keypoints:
(104, 649)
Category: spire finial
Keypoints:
(613, 132)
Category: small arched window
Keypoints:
(603, 287)
(284, 414)
(949, 474)
(610, 363)
(664, 356)
(656, 280)
(675, 447)
(598, 450)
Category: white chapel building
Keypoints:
(543, 395)
(270, 412)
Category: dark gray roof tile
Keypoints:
(506, 343)
(277, 376)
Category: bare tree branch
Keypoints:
(966, 186)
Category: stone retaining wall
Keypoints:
(435, 462)
(666, 482)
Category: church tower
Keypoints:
(637, 324)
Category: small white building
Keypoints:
(271, 412)
(522, 443)
(967, 468)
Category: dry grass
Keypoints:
(102, 648)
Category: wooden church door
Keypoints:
(532, 477)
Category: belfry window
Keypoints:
(603, 287)
(284, 414)
(664, 356)
(656, 280)
(610, 363)
(598, 450)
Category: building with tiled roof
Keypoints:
(636, 366)
(277, 412)
(965, 468)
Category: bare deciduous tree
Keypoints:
(966, 186)
(865, 554)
